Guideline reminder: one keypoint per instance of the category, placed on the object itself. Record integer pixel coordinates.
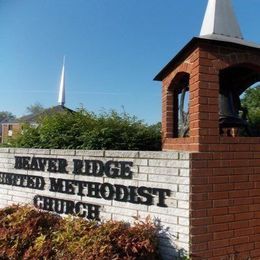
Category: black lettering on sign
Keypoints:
(52, 165)
(126, 172)
(69, 187)
(78, 165)
(25, 163)
(41, 164)
(81, 185)
(161, 194)
(145, 193)
(100, 190)
(134, 198)
(60, 206)
(62, 164)
(107, 191)
(93, 189)
(122, 193)
(110, 169)
(56, 185)
(36, 165)
(18, 162)
(96, 168)
(57, 165)
(26, 181)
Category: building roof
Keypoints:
(219, 26)
(32, 118)
(195, 41)
(5, 120)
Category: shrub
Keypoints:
(85, 130)
(20, 227)
(251, 101)
(27, 233)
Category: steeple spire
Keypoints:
(61, 98)
(220, 20)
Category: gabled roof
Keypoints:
(32, 118)
(7, 121)
(220, 40)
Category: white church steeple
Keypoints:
(61, 98)
(220, 20)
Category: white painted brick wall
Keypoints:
(167, 170)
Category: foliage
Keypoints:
(27, 233)
(20, 227)
(6, 115)
(35, 108)
(85, 130)
(251, 101)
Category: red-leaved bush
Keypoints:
(28, 233)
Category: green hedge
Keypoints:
(27, 233)
(85, 130)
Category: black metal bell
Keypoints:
(231, 114)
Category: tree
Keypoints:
(85, 130)
(251, 101)
(6, 115)
(34, 109)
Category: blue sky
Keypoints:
(113, 50)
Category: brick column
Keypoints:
(224, 177)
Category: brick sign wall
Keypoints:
(103, 185)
